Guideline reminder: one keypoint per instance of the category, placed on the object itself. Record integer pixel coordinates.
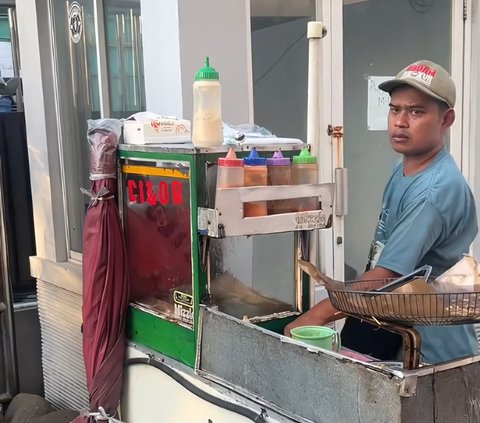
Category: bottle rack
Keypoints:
(227, 219)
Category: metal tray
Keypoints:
(405, 308)
(408, 304)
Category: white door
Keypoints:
(367, 40)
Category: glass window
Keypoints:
(78, 90)
(125, 57)
(4, 25)
(6, 60)
(77, 101)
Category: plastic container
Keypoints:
(207, 108)
(255, 174)
(279, 173)
(305, 171)
(319, 336)
(230, 172)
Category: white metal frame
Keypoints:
(459, 132)
(330, 12)
(468, 117)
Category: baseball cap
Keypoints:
(426, 76)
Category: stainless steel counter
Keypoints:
(310, 384)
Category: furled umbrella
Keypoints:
(105, 278)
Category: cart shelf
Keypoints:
(227, 218)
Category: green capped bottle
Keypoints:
(305, 171)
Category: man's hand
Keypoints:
(324, 312)
(319, 315)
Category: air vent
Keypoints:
(62, 359)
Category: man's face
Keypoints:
(416, 122)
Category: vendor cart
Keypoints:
(184, 250)
(212, 292)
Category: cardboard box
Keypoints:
(159, 130)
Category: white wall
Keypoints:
(50, 264)
(177, 35)
(220, 30)
(161, 57)
(280, 98)
(43, 149)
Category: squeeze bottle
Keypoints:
(279, 174)
(305, 171)
(230, 171)
(207, 128)
(255, 174)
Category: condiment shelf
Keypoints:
(227, 218)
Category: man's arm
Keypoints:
(324, 312)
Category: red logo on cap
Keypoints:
(422, 69)
(420, 72)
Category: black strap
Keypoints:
(369, 339)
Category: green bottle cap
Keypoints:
(304, 157)
(207, 72)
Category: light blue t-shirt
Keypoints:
(428, 218)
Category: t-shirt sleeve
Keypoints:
(418, 228)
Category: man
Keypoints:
(428, 213)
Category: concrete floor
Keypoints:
(28, 408)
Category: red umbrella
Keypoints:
(105, 277)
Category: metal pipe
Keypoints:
(6, 318)
(12, 19)
(102, 66)
(341, 197)
(139, 61)
(315, 32)
(88, 91)
(134, 54)
(72, 60)
(25, 305)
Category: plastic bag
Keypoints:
(252, 134)
(103, 138)
(464, 276)
(235, 134)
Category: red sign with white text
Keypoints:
(165, 192)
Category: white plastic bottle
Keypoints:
(207, 128)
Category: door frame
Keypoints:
(330, 12)
(331, 242)
(460, 67)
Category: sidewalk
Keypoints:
(28, 408)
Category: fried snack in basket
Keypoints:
(464, 276)
(411, 301)
(415, 303)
